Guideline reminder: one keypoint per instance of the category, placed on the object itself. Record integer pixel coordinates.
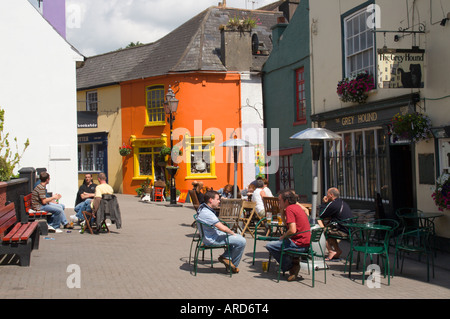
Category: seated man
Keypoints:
(338, 210)
(84, 197)
(40, 201)
(217, 235)
(297, 221)
(100, 190)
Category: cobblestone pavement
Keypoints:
(148, 258)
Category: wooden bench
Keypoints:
(17, 238)
(27, 214)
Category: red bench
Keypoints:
(17, 238)
(28, 214)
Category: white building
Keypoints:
(38, 93)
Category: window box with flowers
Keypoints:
(441, 195)
(125, 150)
(413, 126)
(354, 89)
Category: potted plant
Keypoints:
(163, 154)
(8, 159)
(354, 89)
(125, 149)
(413, 126)
(238, 24)
(441, 195)
(145, 188)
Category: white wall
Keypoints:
(252, 123)
(38, 93)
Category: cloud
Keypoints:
(100, 26)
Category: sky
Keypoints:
(98, 26)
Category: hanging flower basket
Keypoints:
(125, 150)
(414, 126)
(441, 195)
(355, 89)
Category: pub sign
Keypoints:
(400, 68)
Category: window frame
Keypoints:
(206, 140)
(95, 158)
(373, 167)
(345, 18)
(300, 96)
(155, 144)
(90, 102)
(283, 158)
(159, 110)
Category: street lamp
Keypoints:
(236, 144)
(316, 136)
(170, 107)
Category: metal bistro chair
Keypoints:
(316, 233)
(201, 246)
(408, 223)
(369, 239)
(415, 241)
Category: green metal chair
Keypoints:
(369, 239)
(408, 223)
(415, 241)
(201, 246)
(266, 236)
(316, 233)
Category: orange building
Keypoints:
(208, 110)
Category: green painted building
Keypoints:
(287, 103)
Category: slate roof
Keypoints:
(194, 46)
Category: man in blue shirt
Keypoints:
(217, 235)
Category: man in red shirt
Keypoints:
(296, 220)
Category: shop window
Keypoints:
(91, 157)
(200, 156)
(155, 105)
(359, 42)
(357, 165)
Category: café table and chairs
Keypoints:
(413, 218)
(415, 241)
(369, 239)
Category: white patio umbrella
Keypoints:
(316, 136)
(236, 144)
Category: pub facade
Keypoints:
(401, 55)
